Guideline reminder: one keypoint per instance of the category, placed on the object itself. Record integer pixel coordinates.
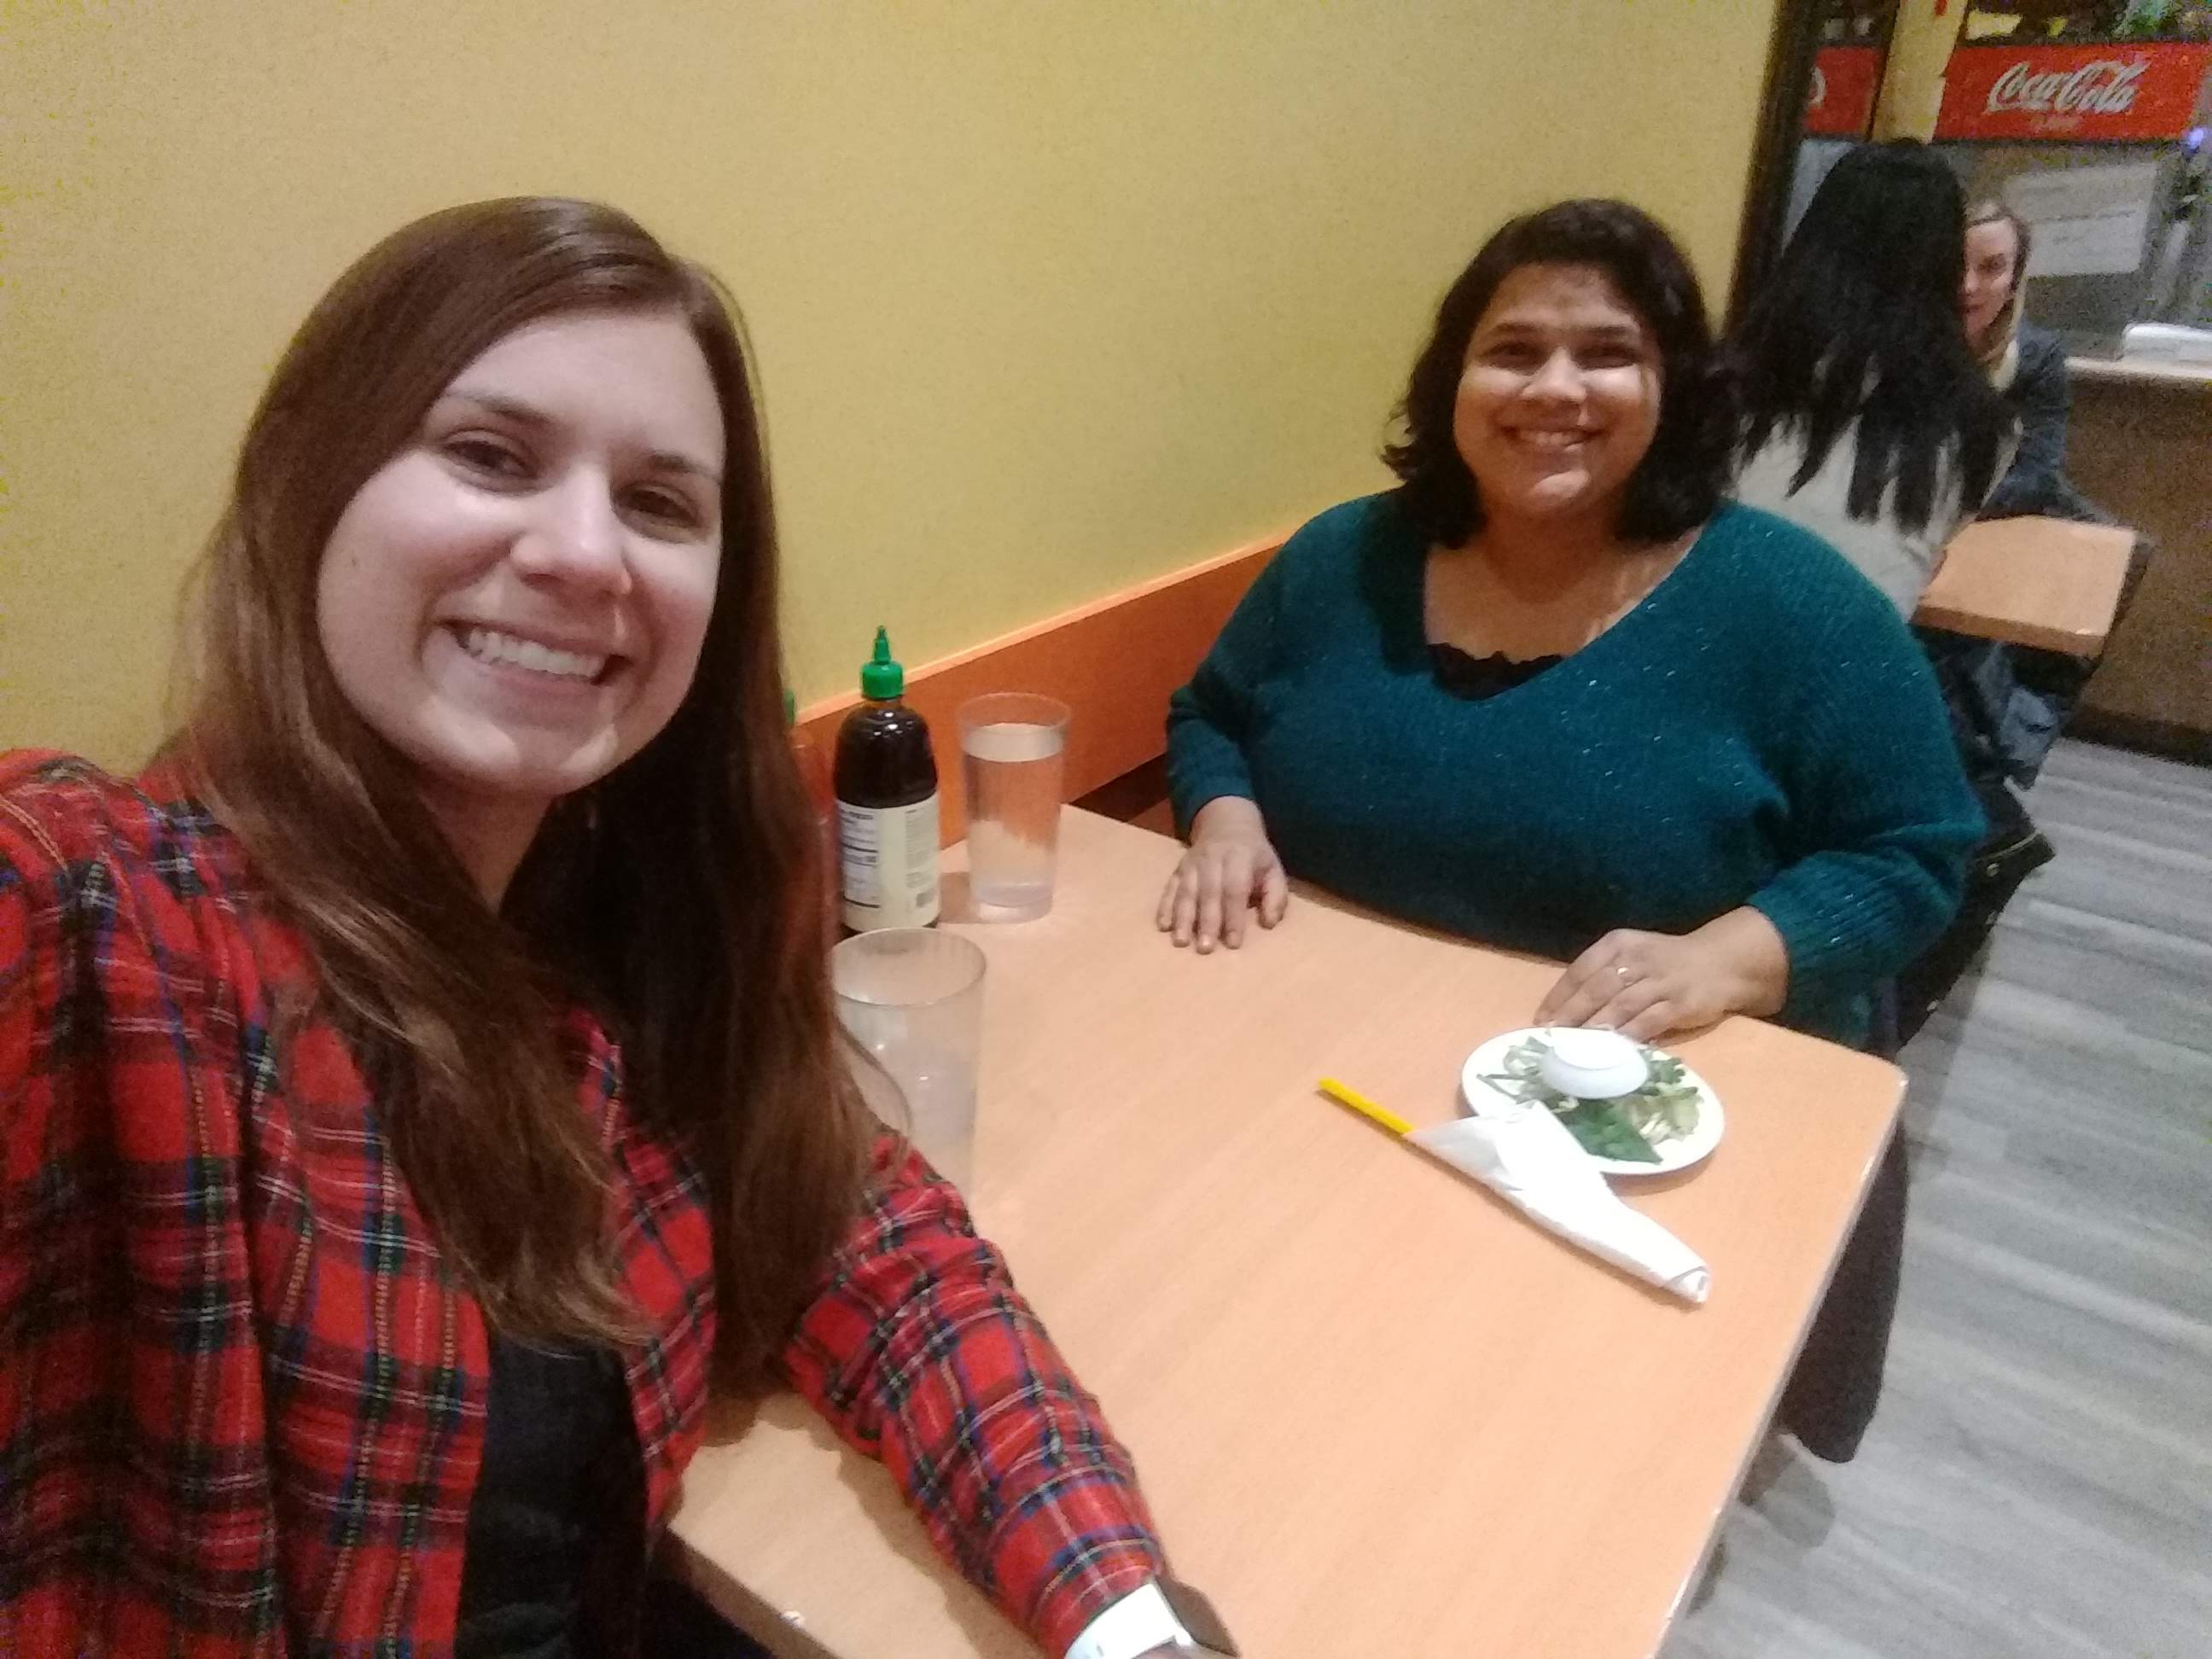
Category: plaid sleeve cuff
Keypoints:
(920, 1351)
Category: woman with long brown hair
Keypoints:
(421, 1085)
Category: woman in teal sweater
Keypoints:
(1554, 693)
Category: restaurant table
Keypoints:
(2046, 582)
(1376, 1410)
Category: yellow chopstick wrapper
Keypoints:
(1367, 1109)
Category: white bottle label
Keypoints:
(889, 857)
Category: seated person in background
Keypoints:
(2007, 703)
(423, 1085)
(1554, 693)
(2012, 700)
(1554, 686)
(1866, 418)
(2026, 364)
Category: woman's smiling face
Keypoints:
(1559, 400)
(516, 600)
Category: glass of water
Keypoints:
(913, 997)
(1013, 749)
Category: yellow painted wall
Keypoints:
(1050, 297)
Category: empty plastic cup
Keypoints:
(913, 997)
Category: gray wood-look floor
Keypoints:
(2038, 1479)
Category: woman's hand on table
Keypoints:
(1646, 984)
(1231, 868)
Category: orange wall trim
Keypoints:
(1113, 661)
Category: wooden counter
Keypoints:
(2142, 449)
(2139, 371)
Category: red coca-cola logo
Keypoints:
(2093, 94)
(2107, 86)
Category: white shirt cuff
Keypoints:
(1139, 1622)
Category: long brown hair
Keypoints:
(676, 895)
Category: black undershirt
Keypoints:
(1477, 677)
(558, 1441)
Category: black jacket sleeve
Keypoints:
(2041, 398)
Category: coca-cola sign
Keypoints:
(1844, 81)
(2099, 92)
(2107, 86)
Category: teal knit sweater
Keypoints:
(1759, 729)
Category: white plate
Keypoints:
(1482, 1099)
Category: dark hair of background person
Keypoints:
(1680, 479)
(1859, 321)
(676, 895)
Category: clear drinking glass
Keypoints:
(913, 997)
(1013, 749)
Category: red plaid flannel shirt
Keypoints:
(242, 1397)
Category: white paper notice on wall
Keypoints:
(2089, 222)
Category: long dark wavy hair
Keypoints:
(1680, 479)
(677, 896)
(1860, 322)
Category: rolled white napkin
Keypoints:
(1527, 1156)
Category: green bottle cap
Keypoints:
(882, 679)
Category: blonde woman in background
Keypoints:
(2026, 364)
(2007, 703)
(2013, 700)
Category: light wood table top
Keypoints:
(1376, 1410)
(2044, 582)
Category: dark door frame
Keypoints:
(1789, 84)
